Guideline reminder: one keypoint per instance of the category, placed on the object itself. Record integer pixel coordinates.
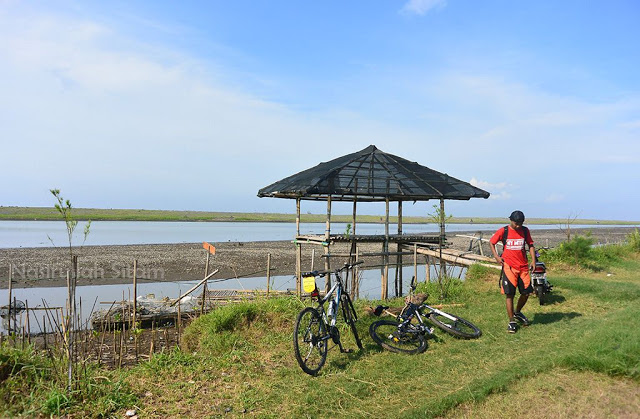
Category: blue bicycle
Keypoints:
(315, 326)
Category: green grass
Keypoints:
(96, 214)
(32, 384)
(239, 360)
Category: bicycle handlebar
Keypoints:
(324, 273)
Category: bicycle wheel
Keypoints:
(350, 317)
(386, 333)
(309, 347)
(458, 327)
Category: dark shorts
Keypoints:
(512, 278)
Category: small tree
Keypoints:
(566, 227)
(64, 208)
(441, 218)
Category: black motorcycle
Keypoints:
(539, 280)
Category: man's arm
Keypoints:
(495, 253)
(532, 253)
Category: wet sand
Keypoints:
(98, 265)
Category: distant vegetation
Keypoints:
(96, 214)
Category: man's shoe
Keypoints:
(522, 319)
(512, 327)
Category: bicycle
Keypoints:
(405, 336)
(315, 327)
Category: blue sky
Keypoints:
(197, 105)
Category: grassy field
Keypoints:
(580, 357)
(49, 213)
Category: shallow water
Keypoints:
(104, 295)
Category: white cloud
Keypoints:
(499, 191)
(501, 196)
(111, 117)
(421, 7)
(555, 197)
(486, 185)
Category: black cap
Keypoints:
(517, 216)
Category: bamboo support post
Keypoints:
(268, 273)
(26, 306)
(298, 252)
(313, 258)
(44, 330)
(135, 291)
(179, 321)
(10, 292)
(415, 262)
(205, 288)
(327, 237)
(442, 271)
(384, 292)
(427, 276)
(399, 257)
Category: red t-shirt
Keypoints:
(514, 253)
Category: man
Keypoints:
(515, 270)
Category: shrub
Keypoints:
(216, 328)
(580, 251)
(576, 250)
(633, 239)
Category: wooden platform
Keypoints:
(368, 238)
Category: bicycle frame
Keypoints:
(331, 317)
(435, 310)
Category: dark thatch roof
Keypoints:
(371, 175)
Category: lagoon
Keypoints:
(15, 234)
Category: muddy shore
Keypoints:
(98, 265)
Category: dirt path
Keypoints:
(37, 267)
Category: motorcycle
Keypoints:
(539, 280)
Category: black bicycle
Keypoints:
(315, 326)
(404, 335)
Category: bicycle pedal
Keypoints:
(347, 351)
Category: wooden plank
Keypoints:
(194, 287)
(454, 259)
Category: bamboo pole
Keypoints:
(327, 237)
(454, 259)
(442, 271)
(69, 333)
(179, 322)
(399, 257)
(298, 251)
(135, 291)
(415, 262)
(427, 276)
(356, 274)
(204, 289)
(44, 332)
(355, 200)
(268, 272)
(10, 292)
(194, 287)
(384, 293)
(26, 306)
(313, 258)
